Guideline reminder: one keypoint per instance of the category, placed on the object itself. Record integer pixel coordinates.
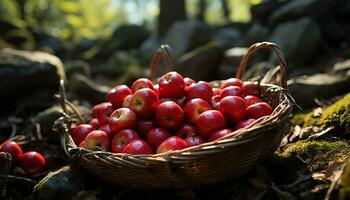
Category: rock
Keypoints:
(299, 40)
(227, 37)
(342, 10)
(25, 73)
(184, 36)
(79, 67)
(125, 37)
(334, 38)
(257, 71)
(47, 42)
(20, 38)
(262, 11)
(201, 63)
(344, 191)
(117, 64)
(256, 33)
(84, 88)
(320, 86)
(341, 67)
(11, 23)
(232, 58)
(60, 184)
(300, 8)
(149, 47)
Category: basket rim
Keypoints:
(234, 138)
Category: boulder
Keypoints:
(256, 33)
(77, 67)
(149, 47)
(23, 73)
(60, 184)
(299, 40)
(232, 58)
(227, 37)
(262, 11)
(202, 63)
(305, 89)
(184, 36)
(299, 8)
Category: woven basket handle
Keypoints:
(164, 51)
(263, 45)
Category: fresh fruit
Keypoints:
(216, 91)
(95, 123)
(123, 138)
(80, 132)
(126, 101)
(201, 90)
(32, 162)
(215, 102)
(143, 126)
(218, 134)
(141, 83)
(193, 108)
(250, 88)
(188, 81)
(171, 85)
(122, 118)
(102, 112)
(137, 146)
(12, 148)
(169, 115)
(144, 102)
(107, 128)
(82, 144)
(97, 138)
(156, 136)
(244, 123)
(194, 140)
(249, 99)
(230, 91)
(185, 131)
(172, 144)
(232, 82)
(258, 110)
(209, 122)
(117, 94)
(234, 107)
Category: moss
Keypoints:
(344, 192)
(317, 154)
(337, 115)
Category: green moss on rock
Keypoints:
(317, 154)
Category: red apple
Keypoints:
(188, 81)
(244, 123)
(82, 144)
(117, 94)
(143, 126)
(107, 128)
(230, 91)
(250, 88)
(172, 144)
(32, 162)
(126, 101)
(169, 115)
(233, 106)
(209, 122)
(193, 108)
(144, 102)
(185, 131)
(258, 110)
(122, 118)
(12, 148)
(171, 85)
(95, 123)
(137, 146)
(156, 88)
(97, 138)
(80, 132)
(156, 136)
(201, 90)
(215, 102)
(232, 82)
(249, 99)
(123, 138)
(218, 134)
(141, 83)
(216, 91)
(194, 140)
(102, 112)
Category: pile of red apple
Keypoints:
(173, 114)
(31, 162)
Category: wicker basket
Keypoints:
(209, 163)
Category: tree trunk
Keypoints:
(201, 9)
(226, 10)
(170, 12)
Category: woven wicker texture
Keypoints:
(209, 163)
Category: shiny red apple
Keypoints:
(215, 102)
(107, 128)
(123, 138)
(169, 115)
(232, 82)
(80, 132)
(258, 110)
(32, 162)
(218, 134)
(122, 118)
(144, 102)
(216, 91)
(137, 146)
(231, 91)
(97, 139)
(185, 131)
(249, 99)
(209, 122)
(194, 140)
(171, 85)
(143, 126)
(126, 101)
(172, 144)
(117, 94)
(188, 81)
(12, 148)
(95, 123)
(201, 90)
(102, 112)
(244, 123)
(193, 108)
(141, 83)
(234, 107)
(250, 88)
(156, 136)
